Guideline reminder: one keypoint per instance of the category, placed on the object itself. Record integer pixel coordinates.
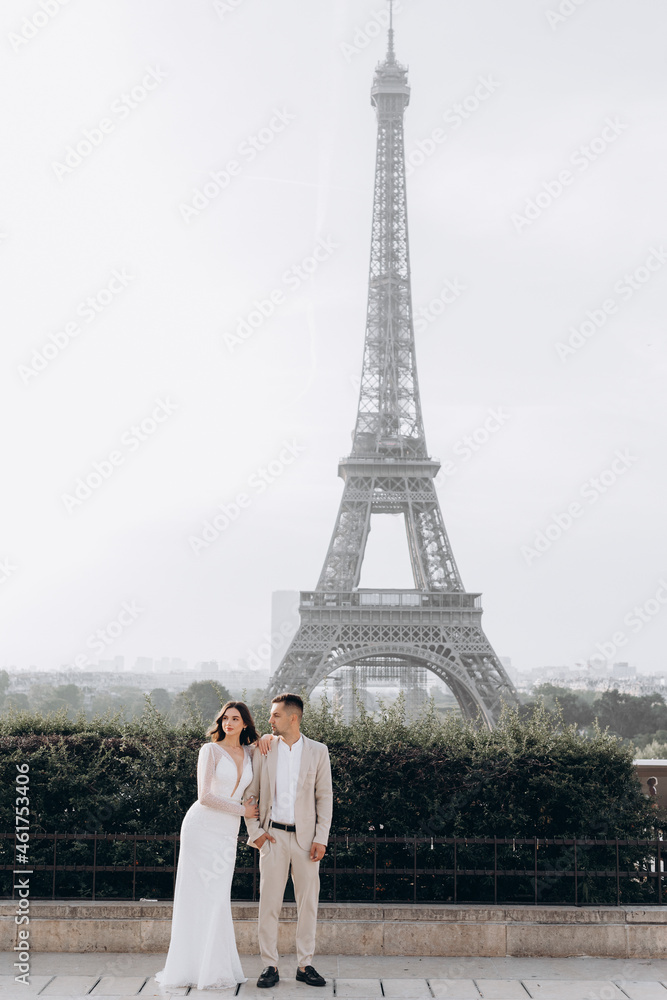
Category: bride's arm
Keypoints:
(205, 773)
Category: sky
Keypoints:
(184, 246)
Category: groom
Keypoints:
(293, 785)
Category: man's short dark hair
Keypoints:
(290, 701)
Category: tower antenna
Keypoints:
(391, 55)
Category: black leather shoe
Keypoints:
(310, 976)
(268, 978)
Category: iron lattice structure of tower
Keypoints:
(438, 624)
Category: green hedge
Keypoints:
(444, 778)
(526, 778)
(431, 779)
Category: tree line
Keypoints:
(641, 720)
(128, 703)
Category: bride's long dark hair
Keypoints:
(249, 734)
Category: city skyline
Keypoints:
(167, 664)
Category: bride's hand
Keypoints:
(251, 809)
(264, 744)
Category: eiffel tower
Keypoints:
(438, 624)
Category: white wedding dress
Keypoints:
(202, 951)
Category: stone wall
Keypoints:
(363, 929)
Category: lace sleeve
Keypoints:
(205, 773)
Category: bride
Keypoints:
(202, 951)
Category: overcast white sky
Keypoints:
(221, 73)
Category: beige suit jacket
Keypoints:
(313, 806)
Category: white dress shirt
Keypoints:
(287, 776)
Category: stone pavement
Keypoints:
(119, 977)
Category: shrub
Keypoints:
(432, 777)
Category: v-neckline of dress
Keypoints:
(239, 774)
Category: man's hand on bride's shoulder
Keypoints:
(263, 743)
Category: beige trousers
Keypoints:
(274, 868)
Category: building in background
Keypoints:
(170, 664)
(623, 670)
(115, 666)
(143, 665)
(207, 670)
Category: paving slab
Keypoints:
(570, 989)
(406, 989)
(540, 969)
(643, 991)
(502, 989)
(163, 996)
(270, 994)
(10, 988)
(359, 976)
(69, 986)
(108, 963)
(75, 996)
(153, 989)
(224, 994)
(287, 989)
(113, 986)
(454, 989)
(358, 989)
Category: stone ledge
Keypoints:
(447, 930)
(82, 909)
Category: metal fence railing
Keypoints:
(128, 866)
